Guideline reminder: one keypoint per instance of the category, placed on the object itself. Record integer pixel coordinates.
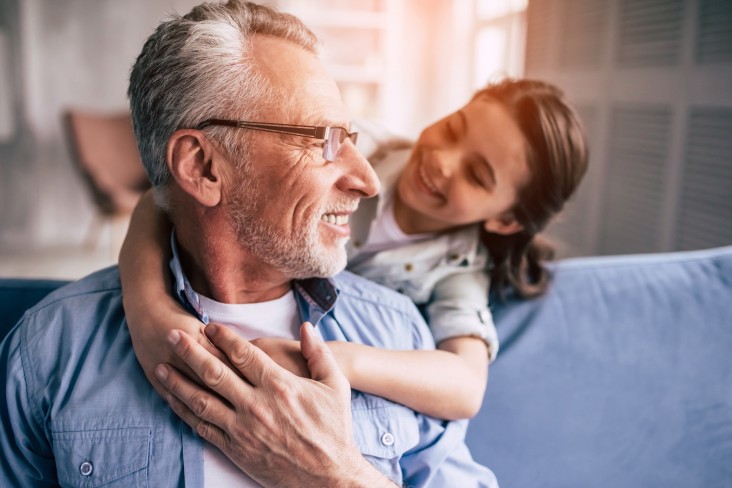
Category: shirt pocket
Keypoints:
(102, 457)
(384, 434)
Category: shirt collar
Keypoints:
(315, 296)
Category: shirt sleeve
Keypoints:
(27, 458)
(442, 458)
(459, 307)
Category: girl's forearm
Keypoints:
(144, 256)
(447, 384)
(150, 310)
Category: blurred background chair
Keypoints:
(103, 148)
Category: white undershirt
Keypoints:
(386, 234)
(275, 318)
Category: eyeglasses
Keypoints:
(334, 137)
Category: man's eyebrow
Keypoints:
(346, 124)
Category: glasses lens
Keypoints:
(336, 136)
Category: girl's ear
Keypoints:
(505, 225)
(195, 166)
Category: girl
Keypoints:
(462, 205)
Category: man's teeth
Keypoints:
(335, 219)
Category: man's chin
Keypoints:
(321, 267)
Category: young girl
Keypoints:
(462, 205)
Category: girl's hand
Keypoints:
(284, 352)
(152, 348)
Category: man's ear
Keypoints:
(505, 225)
(195, 165)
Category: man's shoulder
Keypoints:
(379, 316)
(355, 287)
(103, 281)
(84, 306)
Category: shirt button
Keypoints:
(408, 267)
(387, 439)
(356, 243)
(86, 468)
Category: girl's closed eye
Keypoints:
(479, 174)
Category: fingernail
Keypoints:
(211, 330)
(173, 337)
(314, 333)
(161, 371)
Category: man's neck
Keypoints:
(229, 275)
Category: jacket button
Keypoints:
(408, 267)
(387, 439)
(86, 468)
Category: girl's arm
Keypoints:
(149, 309)
(448, 383)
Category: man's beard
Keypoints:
(299, 255)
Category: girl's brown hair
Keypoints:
(557, 156)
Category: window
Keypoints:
(499, 40)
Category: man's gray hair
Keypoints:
(199, 66)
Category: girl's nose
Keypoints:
(445, 160)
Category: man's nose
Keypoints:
(358, 177)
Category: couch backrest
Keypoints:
(620, 376)
(17, 295)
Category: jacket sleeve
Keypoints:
(459, 307)
(27, 458)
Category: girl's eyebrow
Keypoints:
(463, 119)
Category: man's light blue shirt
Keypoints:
(78, 410)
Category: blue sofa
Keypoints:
(620, 376)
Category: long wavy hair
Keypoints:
(557, 157)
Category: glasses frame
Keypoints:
(311, 131)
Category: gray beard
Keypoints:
(297, 256)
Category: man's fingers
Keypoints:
(207, 430)
(248, 359)
(212, 372)
(321, 362)
(201, 402)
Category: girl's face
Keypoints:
(464, 169)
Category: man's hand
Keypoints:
(282, 430)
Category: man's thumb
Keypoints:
(321, 362)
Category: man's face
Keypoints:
(290, 209)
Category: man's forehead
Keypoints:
(303, 88)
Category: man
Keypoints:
(259, 211)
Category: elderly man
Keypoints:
(246, 141)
